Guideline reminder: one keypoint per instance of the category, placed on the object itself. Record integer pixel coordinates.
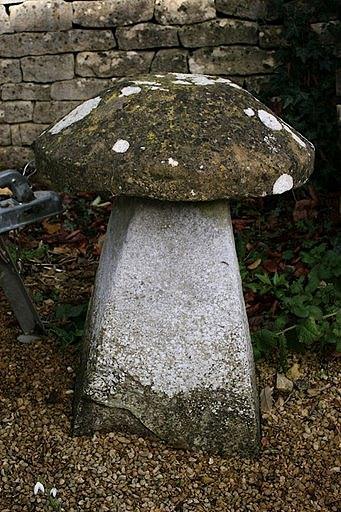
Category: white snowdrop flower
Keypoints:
(38, 488)
(53, 492)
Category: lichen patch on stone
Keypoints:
(269, 120)
(121, 146)
(172, 162)
(295, 137)
(249, 112)
(76, 115)
(130, 89)
(283, 184)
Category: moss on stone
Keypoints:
(188, 141)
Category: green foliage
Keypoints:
(294, 288)
(68, 323)
(302, 91)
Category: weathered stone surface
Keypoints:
(184, 11)
(253, 10)
(109, 13)
(15, 111)
(80, 88)
(5, 135)
(271, 36)
(113, 63)
(29, 132)
(168, 349)
(146, 35)
(234, 60)
(9, 71)
(174, 137)
(255, 84)
(218, 32)
(25, 91)
(49, 111)
(41, 16)
(5, 26)
(48, 68)
(171, 60)
(13, 157)
(38, 43)
(328, 32)
(15, 135)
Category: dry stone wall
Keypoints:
(56, 53)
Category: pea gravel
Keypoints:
(297, 470)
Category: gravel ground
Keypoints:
(297, 470)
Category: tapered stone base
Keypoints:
(167, 350)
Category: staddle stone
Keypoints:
(168, 349)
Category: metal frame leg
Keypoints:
(16, 293)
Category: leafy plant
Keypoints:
(68, 322)
(291, 279)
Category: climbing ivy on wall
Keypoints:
(302, 91)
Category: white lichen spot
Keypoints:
(145, 82)
(172, 162)
(222, 80)
(181, 82)
(121, 146)
(76, 115)
(130, 89)
(236, 86)
(249, 112)
(269, 120)
(143, 148)
(202, 80)
(282, 184)
(193, 193)
(153, 88)
(294, 136)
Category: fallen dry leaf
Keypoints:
(51, 229)
(283, 383)
(6, 192)
(294, 372)
(255, 264)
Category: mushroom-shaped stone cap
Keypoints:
(177, 137)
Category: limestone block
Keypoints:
(219, 32)
(5, 26)
(9, 71)
(253, 10)
(15, 111)
(50, 111)
(181, 12)
(146, 35)
(41, 16)
(235, 60)
(271, 36)
(38, 43)
(113, 63)
(48, 68)
(79, 89)
(5, 135)
(26, 91)
(29, 132)
(255, 84)
(167, 350)
(175, 60)
(13, 157)
(15, 135)
(110, 13)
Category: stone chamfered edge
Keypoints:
(140, 138)
(181, 377)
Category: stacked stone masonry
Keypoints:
(56, 53)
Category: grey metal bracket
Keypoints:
(23, 207)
